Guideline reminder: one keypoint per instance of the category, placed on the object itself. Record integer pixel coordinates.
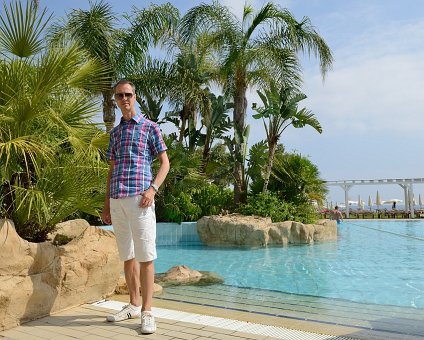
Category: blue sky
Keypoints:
(370, 105)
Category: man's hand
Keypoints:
(106, 216)
(147, 198)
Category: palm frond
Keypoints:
(93, 29)
(27, 148)
(148, 27)
(21, 29)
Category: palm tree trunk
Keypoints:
(108, 111)
(184, 116)
(206, 151)
(239, 115)
(271, 155)
(182, 129)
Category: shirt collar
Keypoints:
(137, 119)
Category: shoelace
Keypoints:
(149, 319)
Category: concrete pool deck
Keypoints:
(178, 320)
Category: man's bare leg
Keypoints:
(147, 279)
(132, 278)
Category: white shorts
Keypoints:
(134, 228)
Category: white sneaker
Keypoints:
(148, 324)
(127, 312)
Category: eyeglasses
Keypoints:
(121, 96)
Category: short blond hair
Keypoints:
(123, 82)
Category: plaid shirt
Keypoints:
(133, 146)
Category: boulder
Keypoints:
(71, 228)
(122, 289)
(240, 230)
(37, 279)
(234, 229)
(183, 275)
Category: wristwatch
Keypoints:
(154, 186)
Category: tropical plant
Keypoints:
(151, 80)
(269, 204)
(189, 94)
(257, 165)
(219, 167)
(281, 111)
(96, 31)
(183, 176)
(238, 148)
(251, 53)
(296, 179)
(217, 124)
(49, 151)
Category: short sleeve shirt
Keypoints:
(133, 145)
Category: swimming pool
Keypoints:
(379, 262)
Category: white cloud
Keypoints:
(377, 86)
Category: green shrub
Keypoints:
(269, 205)
(180, 208)
(213, 199)
(194, 203)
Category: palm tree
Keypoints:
(296, 179)
(189, 93)
(217, 123)
(253, 51)
(151, 80)
(96, 31)
(281, 111)
(47, 144)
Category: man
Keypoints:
(129, 203)
(337, 215)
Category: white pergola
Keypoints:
(406, 183)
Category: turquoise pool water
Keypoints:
(379, 262)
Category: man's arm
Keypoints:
(148, 196)
(163, 169)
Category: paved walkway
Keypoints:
(88, 322)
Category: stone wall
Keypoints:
(240, 230)
(37, 279)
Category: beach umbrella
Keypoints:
(378, 200)
(420, 202)
(392, 200)
(369, 202)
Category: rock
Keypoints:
(37, 279)
(209, 278)
(240, 230)
(234, 229)
(183, 275)
(180, 274)
(71, 228)
(301, 233)
(324, 230)
(122, 289)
